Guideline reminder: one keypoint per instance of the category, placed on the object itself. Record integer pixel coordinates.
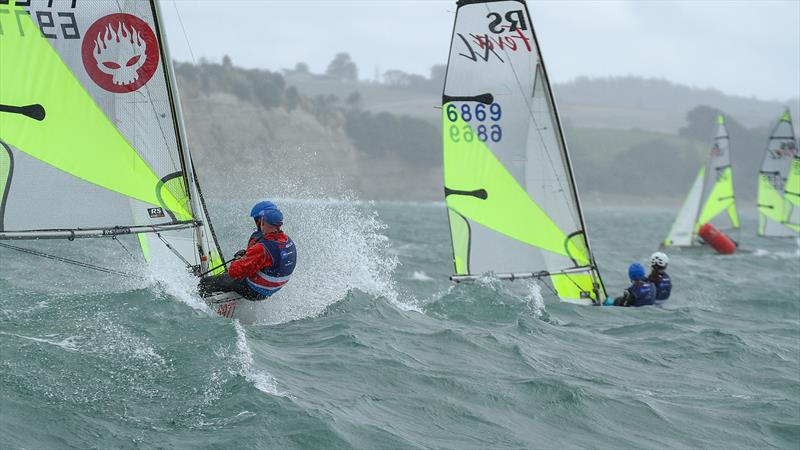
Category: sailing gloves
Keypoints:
(239, 254)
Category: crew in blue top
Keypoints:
(640, 293)
(658, 276)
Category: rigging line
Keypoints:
(570, 279)
(191, 162)
(114, 238)
(174, 251)
(183, 29)
(547, 285)
(207, 217)
(529, 107)
(70, 261)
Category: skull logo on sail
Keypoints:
(120, 53)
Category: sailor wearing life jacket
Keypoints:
(267, 264)
(640, 293)
(658, 276)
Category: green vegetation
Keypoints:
(626, 136)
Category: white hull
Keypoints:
(233, 306)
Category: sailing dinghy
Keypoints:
(91, 126)
(509, 188)
(779, 183)
(710, 199)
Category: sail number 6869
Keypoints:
(478, 113)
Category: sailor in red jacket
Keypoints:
(267, 264)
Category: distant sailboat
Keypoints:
(779, 183)
(91, 135)
(509, 188)
(711, 198)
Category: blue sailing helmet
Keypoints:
(636, 272)
(272, 216)
(260, 207)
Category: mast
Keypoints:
(190, 177)
(565, 155)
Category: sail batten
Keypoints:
(509, 188)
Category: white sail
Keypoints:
(92, 131)
(719, 202)
(510, 193)
(682, 233)
(778, 214)
(711, 198)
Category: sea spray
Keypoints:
(535, 299)
(341, 247)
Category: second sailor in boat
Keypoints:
(267, 264)
(658, 276)
(640, 293)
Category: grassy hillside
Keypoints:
(266, 131)
(622, 103)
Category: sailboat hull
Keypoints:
(233, 306)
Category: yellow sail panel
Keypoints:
(74, 135)
(459, 231)
(145, 247)
(576, 287)
(215, 260)
(770, 202)
(174, 188)
(733, 215)
(792, 189)
(480, 188)
(719, 200)
(6, 164)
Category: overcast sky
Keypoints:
(739, 47)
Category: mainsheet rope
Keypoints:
(71, 261)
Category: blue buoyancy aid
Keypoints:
(269, 280)
(643, 293)
(663, 284)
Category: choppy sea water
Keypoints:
(370, 346)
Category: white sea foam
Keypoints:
(790, 254)
(420, 276)
(70, 344)
(263, 381)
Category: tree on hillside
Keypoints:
(408, 139)
(342, 67)
(396, 78)
(302, 68)
(353, 99)
(268, 88)
(700, 123)
(437, 74)
(291, 99)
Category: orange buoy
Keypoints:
(718, 240)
